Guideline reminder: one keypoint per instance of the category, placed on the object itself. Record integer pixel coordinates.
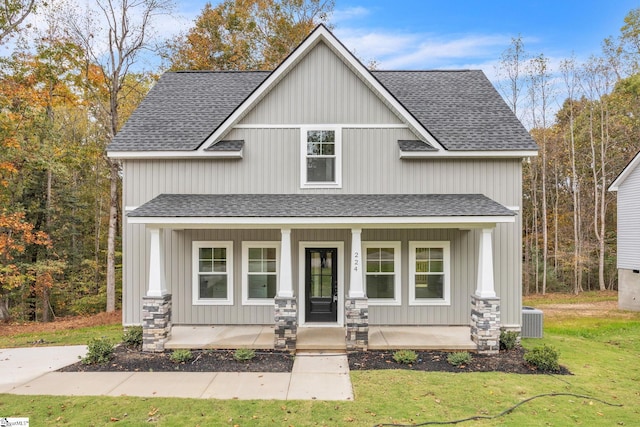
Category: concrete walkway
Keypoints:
(315, 376)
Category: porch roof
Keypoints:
(325, 208)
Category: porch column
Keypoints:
(286, 305)
(356, 288)
(157, 284)
(485, 285)
(357, 304)
(156, 305)
(285, 281)
(485, 305)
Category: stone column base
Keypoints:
(156, 322)
(357, 315)
(485, 324)
(286, 323)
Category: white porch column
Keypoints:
(356, 289)
(157, 284)
(285, 282)
(485, 286)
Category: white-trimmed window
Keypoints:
(321, 157)
(212, 266)
(260, 272)
(382, 272)
(429, 273)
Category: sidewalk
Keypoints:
(315, 376)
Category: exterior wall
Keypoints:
(320, 89)
(629, 222)
(628, 290)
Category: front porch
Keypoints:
(322, 339)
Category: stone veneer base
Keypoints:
(286, 323)
(357, 316)
(485, 324)
(156, 322)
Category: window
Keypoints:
(321, 157)
(429, 276)
(382, 272)
(259, 272)
(212, 273)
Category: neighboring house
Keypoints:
(627, 185)
(322, 193)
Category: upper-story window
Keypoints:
(321, 150)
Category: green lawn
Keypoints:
(602, 353)
(62, 337)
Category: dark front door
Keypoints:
(321, 284)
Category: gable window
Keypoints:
(382, 272)
(321, 157)
(212, 264)
(429, 273)
(259, 272)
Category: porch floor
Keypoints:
(322, 338)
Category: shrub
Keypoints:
(181, 356)
(132, 336)
(508, 340)
(459, 358)
(405, 356)
(244, 354)
(99, 350)
(544, 358)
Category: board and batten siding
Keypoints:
(320, 89)
(629, 222)
(370, 166)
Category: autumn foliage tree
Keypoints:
(246, 34)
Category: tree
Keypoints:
(511, 71)
(128, 26)
(246, 34)
(12, 15)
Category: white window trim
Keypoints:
(195, 270)
(245, 271)
(446, 247)
(397, 246)
(303, 157)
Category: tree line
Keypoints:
(68, 86)
(585, 118)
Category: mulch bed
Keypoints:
(133, 360)
(506, 361)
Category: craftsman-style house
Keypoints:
(322, 193)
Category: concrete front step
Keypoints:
(321, 339)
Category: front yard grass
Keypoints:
(603, 354)
(78, 336)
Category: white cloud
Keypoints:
(348, 14)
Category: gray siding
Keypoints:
(381, 173)
(629, 222)
(320, 89)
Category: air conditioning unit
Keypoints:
(531, 323)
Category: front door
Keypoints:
(321, 284)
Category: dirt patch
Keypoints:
(61, 324)
(506, 361)
(131, 360)
(587, 309)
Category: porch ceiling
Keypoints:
(336, 210)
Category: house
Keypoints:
(627, 185)
(322, 193)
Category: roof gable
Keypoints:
(320, 34)
(626, 172)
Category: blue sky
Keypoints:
(443, 34)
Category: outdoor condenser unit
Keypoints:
(531, 322)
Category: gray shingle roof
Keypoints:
(183, 109)
(230, 145)
(461, 109)
(333, 205)
(415, 146)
